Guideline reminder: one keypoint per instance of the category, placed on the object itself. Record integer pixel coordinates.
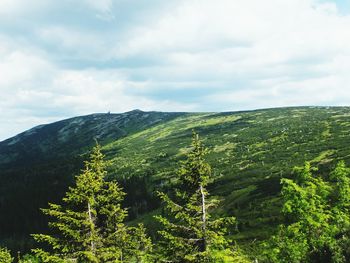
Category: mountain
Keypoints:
(76, 135)
(250, 152)
(37, 165)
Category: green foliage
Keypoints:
(89, 224)
(142, 245)
(5, 256)
(251, 152)
(189, 232)
(227, 255)
(28, 259)
(317, 214)
(341, 211)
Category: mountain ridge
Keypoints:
(100, 126)
(250, 152)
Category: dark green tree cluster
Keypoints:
(317, 212)
(6, 257)
(89, 226)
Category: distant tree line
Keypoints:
(89, 225)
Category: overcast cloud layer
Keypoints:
(65, 58)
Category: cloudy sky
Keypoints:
(64, 58)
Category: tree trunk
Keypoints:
(204, 218)
(92, 244)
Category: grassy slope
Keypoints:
(250, 152)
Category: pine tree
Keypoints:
(189, 232)
(141, 245)
(89, 226)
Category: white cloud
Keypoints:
(272, 31)
(101, 5)
(103, 8)
(17, 7)
(22, 6)
(74, 43)
(233, 54)
(35, 91)
(302, 45)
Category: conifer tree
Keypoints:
(89, 226)
(189, 232)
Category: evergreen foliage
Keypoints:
(5, 256)
(189, 232)
(317, 215)
(89, 226)
(28, 259)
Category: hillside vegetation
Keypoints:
(250, 153)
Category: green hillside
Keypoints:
(250, 152)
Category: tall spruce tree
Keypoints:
(88, 226)
(189, 232)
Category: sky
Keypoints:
(60, 59)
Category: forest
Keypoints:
(184, 131)
(89, 224)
